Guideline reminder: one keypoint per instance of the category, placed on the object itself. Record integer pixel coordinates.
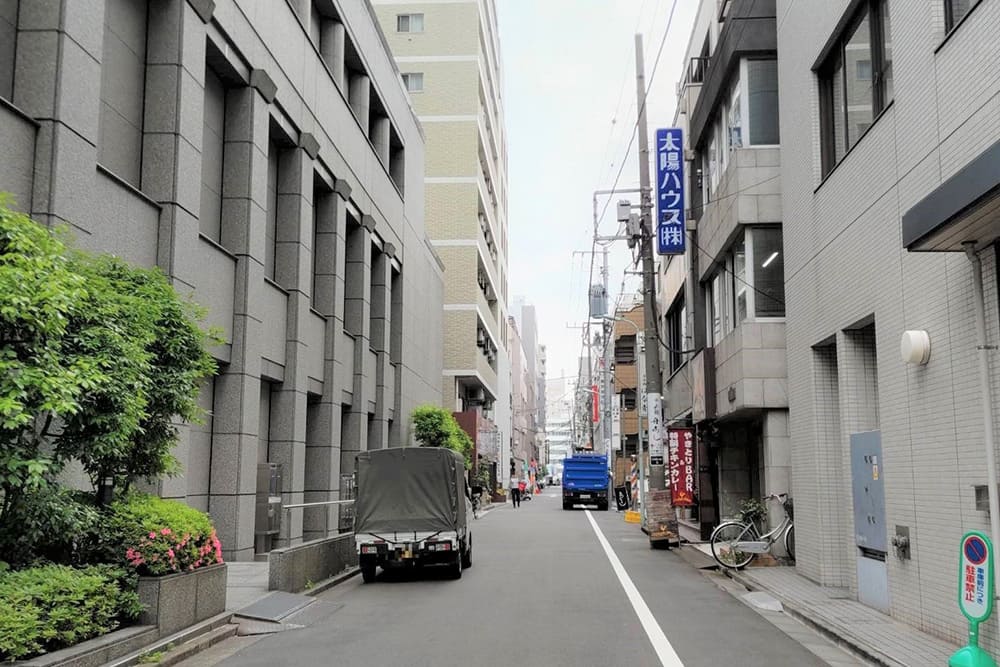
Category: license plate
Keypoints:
(585, 495)
(369, 549)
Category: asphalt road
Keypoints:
(543, 590)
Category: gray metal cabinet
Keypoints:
(868, 483)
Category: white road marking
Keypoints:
(664, 651)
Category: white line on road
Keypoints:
(664, 651)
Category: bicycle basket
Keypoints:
(789, 509)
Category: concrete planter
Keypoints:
(176, 601)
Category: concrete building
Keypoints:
(558, 423)
(265, 157)
(524, 440)
(628, 389)
(448, 53)
(722, 303)
(890, 116)
(526, 318)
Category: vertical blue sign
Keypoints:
(670, 191)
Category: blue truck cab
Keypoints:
(585, 481)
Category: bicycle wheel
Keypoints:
(790, 541)
(724, 544)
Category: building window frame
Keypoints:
(725, 286)
(951, 21)
(413, 82)
(410, 23)
(676, 333)
(835, 66)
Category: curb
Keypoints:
(859, 648)
(327, 584)
(184, 643)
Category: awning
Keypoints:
(964, 208)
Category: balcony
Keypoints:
(751, 369)
(748, 193)
(750, 29)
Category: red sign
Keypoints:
(596, 402)
(680, 450)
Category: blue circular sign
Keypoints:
(975, 550)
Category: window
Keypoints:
(628, 399)
(410, 23)
(955, 11)
(735, 119)
(413, 81)
(856, 81)
(749, 283)
(762, 100)
(123, 81)
(8, 46)
(740, 279)
(768, 272)
(279, 156)
(676, 329)
(212, 156)
(625, 350)
(864, 70)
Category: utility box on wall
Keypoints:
(268, 514)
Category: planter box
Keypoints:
(176, 601)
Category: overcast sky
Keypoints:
(569, 71)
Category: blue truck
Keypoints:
(585, 481)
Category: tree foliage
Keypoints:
(97, 361)
(436, 427)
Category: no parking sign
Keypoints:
(975, 596)
(975, 592)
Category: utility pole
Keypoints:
(657, 478)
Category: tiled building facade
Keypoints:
(264, 156)
(449, 55)
(888, 110)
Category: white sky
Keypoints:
(569, 69)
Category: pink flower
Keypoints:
(164, 531)
(152, 535)
(170, 553)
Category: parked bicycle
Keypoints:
(736, 543)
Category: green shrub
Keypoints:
(52, 606)
(157, 536)
(49, 524)
(436, 427)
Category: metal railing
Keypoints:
(341, 526)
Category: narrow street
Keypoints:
(542, 591)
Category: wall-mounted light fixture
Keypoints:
(915, 347)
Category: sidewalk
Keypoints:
(874, 635)
(246, 582)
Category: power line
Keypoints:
(645, 96)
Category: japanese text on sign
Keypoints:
(670, 191)
(680, 451)
(975, 595)
(653, 414)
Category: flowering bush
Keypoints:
(164, 536)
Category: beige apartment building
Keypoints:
(448, 55)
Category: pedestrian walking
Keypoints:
(515, 492)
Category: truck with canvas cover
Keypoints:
(412, 508)
(585, 481)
